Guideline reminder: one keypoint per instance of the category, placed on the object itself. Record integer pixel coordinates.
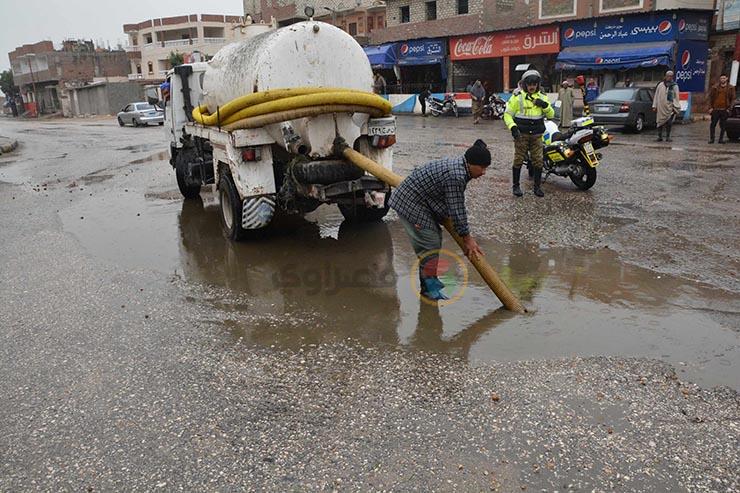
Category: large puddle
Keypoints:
(326, 281)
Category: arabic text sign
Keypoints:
(422, 49)
(639, 29)
(524, 42)
(691, 65)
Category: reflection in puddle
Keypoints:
(328, 281)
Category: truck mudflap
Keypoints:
(257, 212)
(335, 191)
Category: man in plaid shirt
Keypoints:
(429, 195)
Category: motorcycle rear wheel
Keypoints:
(586, 180)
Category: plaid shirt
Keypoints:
(434, 192)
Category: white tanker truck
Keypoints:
(261, 170)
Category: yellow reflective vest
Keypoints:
(523, 113)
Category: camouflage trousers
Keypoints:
(531, 143)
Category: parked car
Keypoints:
(141, 114)
(631, 107)
(733, 122)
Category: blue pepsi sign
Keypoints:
(421, 52)
(691, 65)
(638, 29)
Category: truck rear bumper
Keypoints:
(335, 191)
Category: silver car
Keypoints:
(140, 114)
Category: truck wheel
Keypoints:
(187, 189)
(231, 208)
(359, 213)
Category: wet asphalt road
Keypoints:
(140, 350)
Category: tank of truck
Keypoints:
(306, 54)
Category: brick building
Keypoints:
(43, 73)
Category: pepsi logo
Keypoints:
(685, 59)
(599, 61)
(569, 33)
(682, 25)
(404, 49)
(665, 27)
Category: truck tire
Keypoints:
(326, 172)
(359, 213)
(188, 190)
(231, 209)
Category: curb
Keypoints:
(6, 148)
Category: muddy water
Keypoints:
(328, 281)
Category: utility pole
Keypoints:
(33, 84)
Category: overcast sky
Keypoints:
(29, 21)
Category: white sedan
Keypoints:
(140, 114)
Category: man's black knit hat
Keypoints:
(478, 154)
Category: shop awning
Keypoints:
(615, 57)
(382, 56)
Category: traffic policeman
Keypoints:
(525, 117)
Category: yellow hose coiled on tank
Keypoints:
(282, 100)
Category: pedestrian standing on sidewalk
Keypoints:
(432, 193)
(379, 84)
(525, 118)
(423, 96)
(721, 97)
(566, 95)
(666, 104)
(478, 95)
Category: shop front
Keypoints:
(639, 47)
(422, 64)
(493, 57)
(383, 59)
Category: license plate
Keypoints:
(588, 147)
(381, 130)
(602, 109)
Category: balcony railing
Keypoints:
(131, 49)
(135, 76)
(177, 42)
(214, 41)
(163, 73)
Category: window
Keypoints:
(370, 24)
(431, 11)
(353, 29)
(138, 68)
(405, 14)
(462, 7)
(381, 22)
(150, 66)
(148, 39)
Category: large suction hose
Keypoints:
(276, 106)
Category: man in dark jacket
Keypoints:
(721, 97)
(430, 194)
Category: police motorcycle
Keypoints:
(442, 106)
(494, 107)
(573, 154)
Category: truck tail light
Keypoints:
(383, 141)
(250, 154)
(625, 108)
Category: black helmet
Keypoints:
(531, 77)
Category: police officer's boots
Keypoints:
(516, 171)
(538, 182)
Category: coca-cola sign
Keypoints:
(533, 41)
(469, 47)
